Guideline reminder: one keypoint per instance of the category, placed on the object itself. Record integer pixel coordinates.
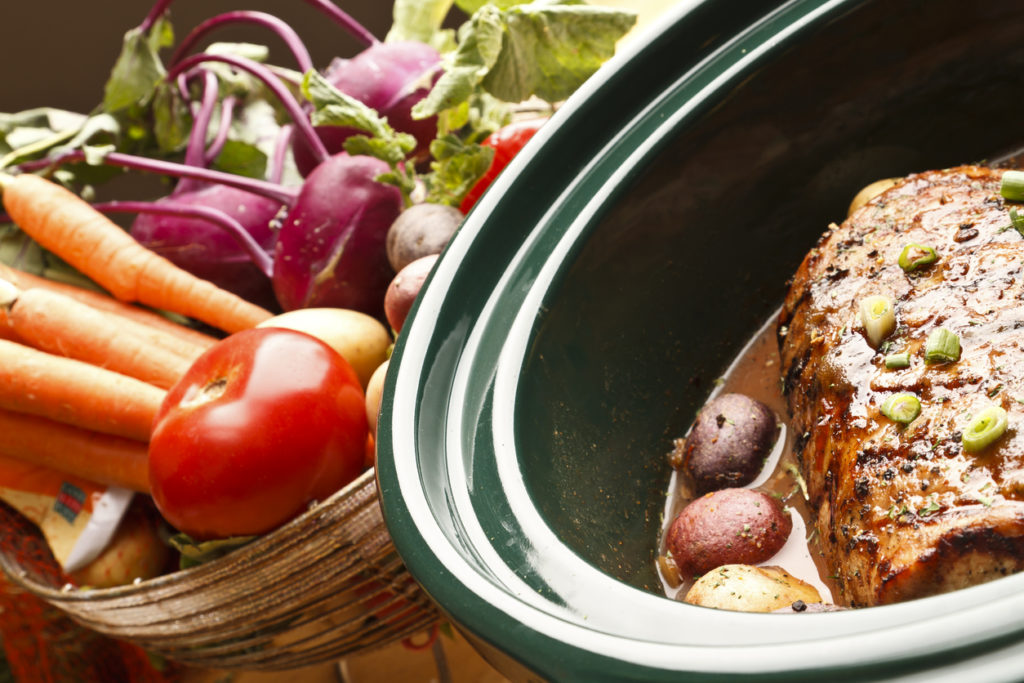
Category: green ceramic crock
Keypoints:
(579, 318)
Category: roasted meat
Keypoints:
(903, 509)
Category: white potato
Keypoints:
(745, 588)
(361, 339)
(869, 192)
(374, 390)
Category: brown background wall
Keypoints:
(59, 52)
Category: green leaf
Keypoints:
(95, 154)
(138, 68)
(334, 108)
(471, 6)
(253, 51)
(241, 158)
(486, 115)
(255, 123)
(392, 151)
(32, 132)
(19, 251)
(172, 120)
(99, 129)
(551, 51)
(480, 44)
(476, 118)
(20, 138)
(234, 81)
(199, 552)
(542, 49)
(456, 169)
(46, 118)
(419, 20)
(404, 178)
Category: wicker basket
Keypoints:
(325, 585)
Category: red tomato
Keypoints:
(265, 422)
(506, 143)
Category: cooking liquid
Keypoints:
(755, 373)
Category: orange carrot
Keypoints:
(109, 304)
(64, 223)
(158, 338)
(76, 393)
(60, 325)
(101, 458)
(6, 332)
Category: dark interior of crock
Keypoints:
(694, 255)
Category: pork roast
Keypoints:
(903, 510)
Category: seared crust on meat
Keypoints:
(903, 511)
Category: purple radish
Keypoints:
(388, 77)
(331, 247)
(199, 246)
(283, 30)
(206, 250)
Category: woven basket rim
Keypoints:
(367, 478)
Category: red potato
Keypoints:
(404, 289)
(730, 526)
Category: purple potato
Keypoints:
(421, 230)
(727, 447)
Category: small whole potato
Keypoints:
(728, 444)
(361, 339)
(731, 526)
(869, 192)
(374, 391)
(404, 289)
(421, 230)
(136, 551)
(743, 588)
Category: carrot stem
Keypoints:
(97, 457)
(76, 393)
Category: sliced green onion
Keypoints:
(903, 407)
(1017, 221)
(986, 427)
(942, 346)
(878, 315)
(895, 361)
(916, 256)
(1012, 186)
